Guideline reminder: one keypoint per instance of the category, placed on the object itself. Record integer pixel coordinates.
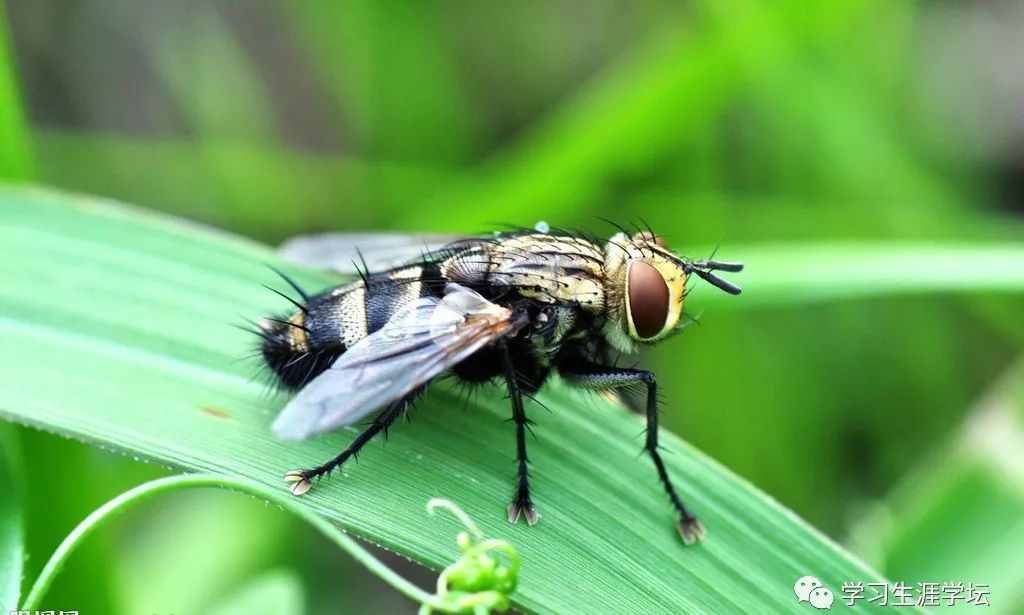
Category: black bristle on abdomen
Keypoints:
(294, 368)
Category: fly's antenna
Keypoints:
(717, 266)
(705, 268)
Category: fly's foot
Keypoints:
(691, 530)
(299, 480)
(522, 507)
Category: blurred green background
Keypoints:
(719, 122)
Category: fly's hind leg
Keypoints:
(301, 480)
(521, 504)
(599, 377)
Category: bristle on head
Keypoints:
(651, 238)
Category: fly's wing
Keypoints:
(425, 338)
(346, 252)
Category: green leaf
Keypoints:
(976, 480)
(278, 592)
(108, 511)
(15, 149)
(207, 71)
(399, 88)
(182, 533)
(642, 109)
(237, 184)
(117, 331)
(12, 531)
(807, 272)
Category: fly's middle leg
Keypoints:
(521, 504)
(301, 480)
(598, 377)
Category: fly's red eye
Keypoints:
(648, 299)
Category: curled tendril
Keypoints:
(479, 581)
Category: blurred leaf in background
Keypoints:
(960, 514)
(12, 527)
(278, 591)
(15, 152)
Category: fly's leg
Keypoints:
(521, 505)
(301, 480)
(598, 377)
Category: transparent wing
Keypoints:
(343, 252)
(424, 339)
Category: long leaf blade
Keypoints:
(117, 331)
(12, 531)
(16, 160)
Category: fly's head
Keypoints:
(645, 288)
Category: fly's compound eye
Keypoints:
(647, 305)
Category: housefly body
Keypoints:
(513, 307)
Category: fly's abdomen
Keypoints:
(386, 293)
(304, 345)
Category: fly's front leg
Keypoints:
(598, 377)
(521, 504)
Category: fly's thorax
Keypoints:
(467, 263)
(550, 327)
(645, 284)
(550, 269)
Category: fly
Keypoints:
(521, 305)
